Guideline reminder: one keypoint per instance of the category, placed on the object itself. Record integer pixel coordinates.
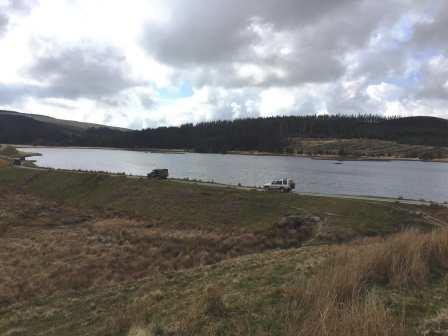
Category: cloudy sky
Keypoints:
(148, 63)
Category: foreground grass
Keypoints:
(353, 292)
(372, 287)
(105, 255)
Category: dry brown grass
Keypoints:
(406, 259)
(340, 299)
(359, 317)
(3, 163)
(343, 297)
(46, 247)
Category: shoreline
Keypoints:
(149, 150)
(247, 153)
(251, 188)
(338, 158)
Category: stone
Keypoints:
(296, 222)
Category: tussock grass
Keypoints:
(407, 259)
(358, 289)
(340, 299)
(343, 296)
(359, 317)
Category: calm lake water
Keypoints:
(414, 180)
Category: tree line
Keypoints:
(258, 134)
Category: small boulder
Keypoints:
(297, 221)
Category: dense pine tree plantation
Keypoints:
(261, 134)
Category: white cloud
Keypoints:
(222, 59)
(276, 101)
(383, 92)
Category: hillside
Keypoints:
(19, 128)
(60, 122)
(91, 254)
(285, 135)
(363, 149)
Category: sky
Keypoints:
(151, 63)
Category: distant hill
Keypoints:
(274, 134)
(59, 122)
(33, 129)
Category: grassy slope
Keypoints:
(363, 147)
(253, 286)
(256, 291)
(178, 205)
(249, 282)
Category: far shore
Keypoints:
(336, 158)
(249, 153)
(149, 150)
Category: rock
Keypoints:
(298, 221)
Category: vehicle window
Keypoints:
(285, 182)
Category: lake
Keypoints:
(408, 179)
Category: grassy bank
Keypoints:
(9, 152)
(364, 149)
(172, 204)
(106, 255)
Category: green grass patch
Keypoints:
(179, 205)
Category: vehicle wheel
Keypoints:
(282, 190)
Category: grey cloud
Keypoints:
(147, 102)
(434, 81)
(205, 43)
(14, 93)
(4, 20)
(22, 6)
(359, 103)
(214, 31)
(205, 39)
(82, 71)
(432, 33)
